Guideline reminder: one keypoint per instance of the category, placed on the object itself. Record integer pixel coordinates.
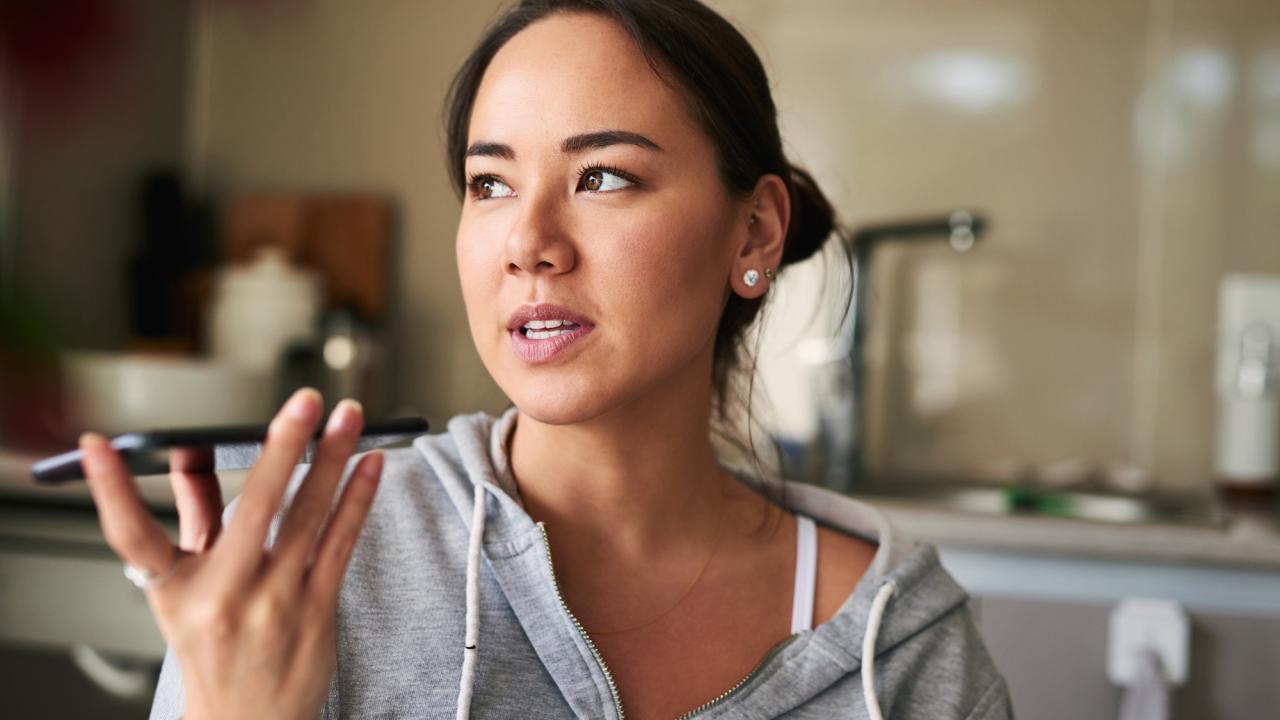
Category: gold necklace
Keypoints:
(714, 546)
(706, 563)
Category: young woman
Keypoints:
(626, 205)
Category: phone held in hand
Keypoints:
(235, 447)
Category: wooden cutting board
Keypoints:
(346, 237)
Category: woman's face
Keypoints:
(591, 187)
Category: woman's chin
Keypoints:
(550, 408)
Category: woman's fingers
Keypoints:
(241, 548)
(198, 497)
(340, 535)
(314, 498)
(129, 527)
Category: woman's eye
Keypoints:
(487, 187)
(602, 181)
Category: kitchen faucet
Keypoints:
(843, 406)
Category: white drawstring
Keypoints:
(469, 650)
(869, 649)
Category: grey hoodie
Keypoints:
(403, 616)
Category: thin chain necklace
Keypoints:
(714, 546)
(706, 563)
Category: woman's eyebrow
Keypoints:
(571, 145)
(605, 138)
(491, 149)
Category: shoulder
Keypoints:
(946, 671)
(409, 483)
(842, 557)
(937, 665)
(842, 561)
(994, 703)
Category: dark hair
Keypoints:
(701, 54)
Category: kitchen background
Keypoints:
(1124, 155)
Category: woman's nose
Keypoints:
(539, 242)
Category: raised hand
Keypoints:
(253, 628)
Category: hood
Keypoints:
(902, 594)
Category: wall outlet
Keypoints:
(1138, 624)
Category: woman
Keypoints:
(626, 204)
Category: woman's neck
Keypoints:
(630, 484)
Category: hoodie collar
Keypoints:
(806, 664)
(482, 437)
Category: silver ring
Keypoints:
(144, 579)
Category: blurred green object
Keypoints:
(1038, 501)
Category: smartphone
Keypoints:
(235, 447)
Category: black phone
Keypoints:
(235, 447)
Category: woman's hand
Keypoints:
(253, 629)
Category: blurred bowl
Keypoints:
(120, 392)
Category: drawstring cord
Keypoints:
(869, 649)
(469, 650)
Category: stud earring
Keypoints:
(768, 273)
(751, 277)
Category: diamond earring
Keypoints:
(751, 277)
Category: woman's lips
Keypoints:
(540, 351)
(544, 311)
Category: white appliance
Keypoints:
(1247, 451)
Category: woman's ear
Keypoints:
(766, 214)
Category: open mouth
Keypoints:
(539, 344)
(547, 333)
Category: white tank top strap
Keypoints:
(806, 574)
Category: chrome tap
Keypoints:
(842, 402)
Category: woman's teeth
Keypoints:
(543, 329)
(535, 335)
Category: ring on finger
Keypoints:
(144, 578)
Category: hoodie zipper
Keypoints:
(727, 693)
(608, 676)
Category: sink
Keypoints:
(1165, 508)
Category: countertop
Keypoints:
(1249, 541)
(1245, 540)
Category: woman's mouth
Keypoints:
(537, 330)
(538, 341)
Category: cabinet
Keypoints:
(1044, 617)
(76, 638)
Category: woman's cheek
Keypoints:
(476, 293)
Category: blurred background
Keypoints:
(1057, 355)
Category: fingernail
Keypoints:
(91, 444)
(345, 415)
(92, 439)
(373, 467)
(304, 405)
